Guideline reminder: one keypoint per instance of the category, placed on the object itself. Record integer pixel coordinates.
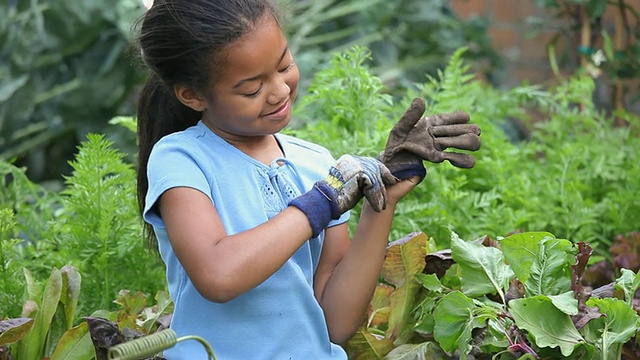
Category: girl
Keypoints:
(258, 257)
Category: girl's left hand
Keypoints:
(398, 190)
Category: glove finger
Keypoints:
(464, 161)
(464, 142)
(372, 183)
(408, 120)
(457, 117)
(386, 176)
(375, 192)
(455, 130)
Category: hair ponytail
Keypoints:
(159, 114)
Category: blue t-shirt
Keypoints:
(280, 318)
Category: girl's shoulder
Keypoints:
(288, 141)
(188, 140)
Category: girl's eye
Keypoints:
(255, 93)
(287, 68)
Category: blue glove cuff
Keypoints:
(320, 205)
(410, 171)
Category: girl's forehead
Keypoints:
(260, 49)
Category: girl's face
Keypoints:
(256, 86)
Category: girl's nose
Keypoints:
(280, 93)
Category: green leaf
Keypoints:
(425, 321)
(404, 260)
(616, 328)
(430, 282)
(128, 122)
(8, 88)
(75, 344)
(597, 8)
(549, 326)
(608, 46)
(71, 280)
(34, 290)
(629, 282)
(565, 302)
(454, 322)
(32, 346)
(483, 268)
(520, 250)
(551, 270)
(423, 351)
(57, 328)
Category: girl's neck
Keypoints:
(262, 148)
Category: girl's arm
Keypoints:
(348, 270)
(222, 267)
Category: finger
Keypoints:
(464, 142)
(464, 161)
(386, 176)
(408, 119)
(455, 130)
(457, 117)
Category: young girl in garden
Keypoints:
(250, 223)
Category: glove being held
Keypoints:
(349, 179)
(414, 139)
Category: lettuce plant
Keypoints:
(520, 297)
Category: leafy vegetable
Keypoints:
(546, 323)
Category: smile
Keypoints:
(281, 111)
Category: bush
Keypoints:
(95, 228)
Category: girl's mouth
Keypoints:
(282, 111)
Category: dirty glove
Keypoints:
(349, 179)
(414, 139)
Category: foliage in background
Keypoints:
(99, 224)
(66, 67)
(47, 330)
(605, 40)
(11, 264)
(64, 71)
(96, 228)
(576, 176)
(409, 37)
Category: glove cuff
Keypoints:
(409, 171)
(320, 205)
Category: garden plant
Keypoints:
(552, 274)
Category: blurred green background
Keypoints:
(67, 67)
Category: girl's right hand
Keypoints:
(349, 179)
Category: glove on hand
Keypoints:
(414, 139)
(349, 179)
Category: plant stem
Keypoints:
(585, 34)
(618, 46)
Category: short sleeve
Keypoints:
(175, 161)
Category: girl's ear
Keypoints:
(189, 97)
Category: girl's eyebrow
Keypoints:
(254, 78)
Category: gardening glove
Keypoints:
(349, 179)
(414, 139)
